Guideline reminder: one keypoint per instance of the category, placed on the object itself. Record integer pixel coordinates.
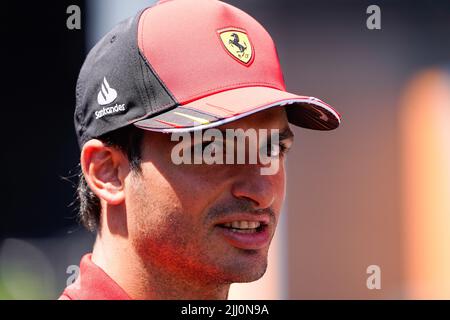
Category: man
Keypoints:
(182, 230)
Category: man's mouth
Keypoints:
(246, 234)
(244, 226)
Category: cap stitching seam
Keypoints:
(152, 70)
(150, 97)
(144, 92)
(163, 85)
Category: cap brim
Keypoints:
(231, 105)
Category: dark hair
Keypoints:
(129, 141)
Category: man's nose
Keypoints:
(251, 185)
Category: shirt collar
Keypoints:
(93, 284)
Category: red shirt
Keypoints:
(93, 284)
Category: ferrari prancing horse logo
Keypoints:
(237, 44)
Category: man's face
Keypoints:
(179, 216)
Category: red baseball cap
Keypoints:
(182, 65)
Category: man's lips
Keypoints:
(248, 238)
(262, 218)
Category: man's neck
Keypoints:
(144, 281)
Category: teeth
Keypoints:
(245, 225)
(239, 224)
(253, 224)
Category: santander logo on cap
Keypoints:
(106, 95)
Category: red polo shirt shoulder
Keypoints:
(93, 284)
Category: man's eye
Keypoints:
(284, 149)
(276, 150)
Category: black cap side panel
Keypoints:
(115, 86)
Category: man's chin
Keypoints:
(249, 277)
(246, 272)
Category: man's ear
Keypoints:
(104, 169)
